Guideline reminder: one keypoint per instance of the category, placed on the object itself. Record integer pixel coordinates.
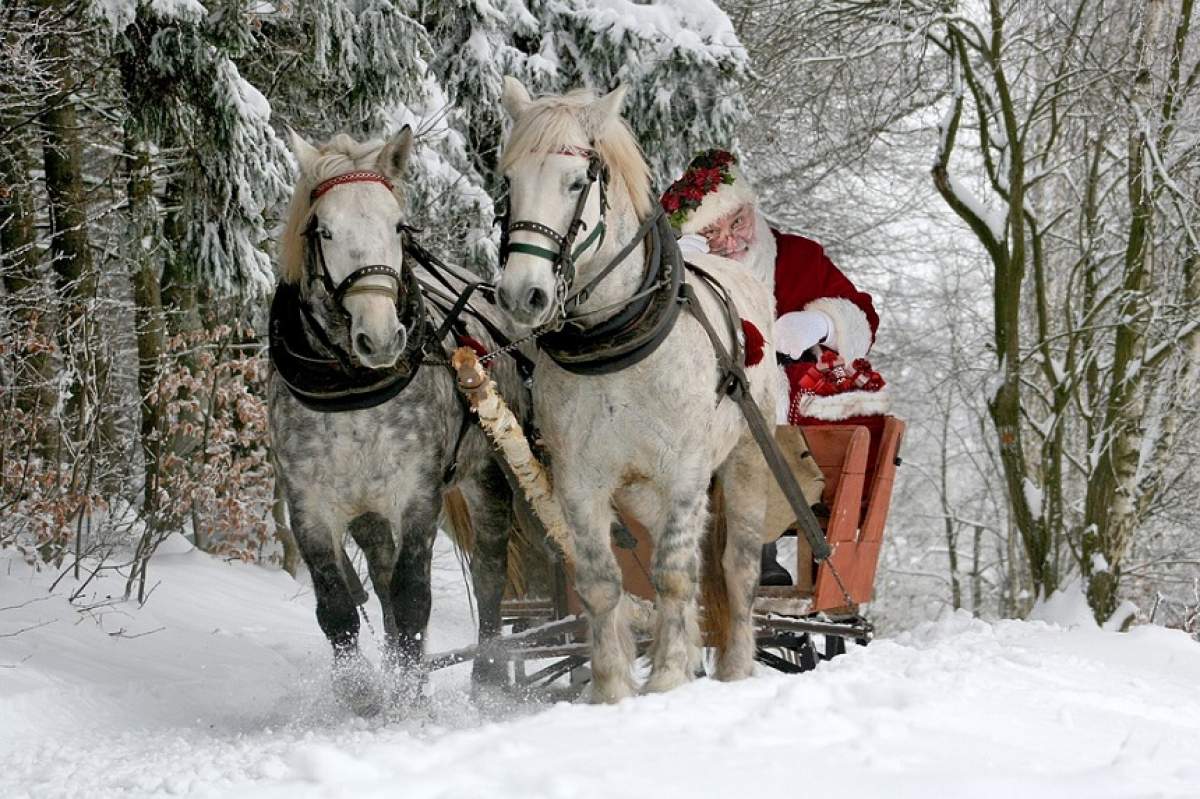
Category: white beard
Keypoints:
(760, 258)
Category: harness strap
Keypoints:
(581, 295)
(436, 267)
(734, 383)
(531, 249)
(464, 425)
(348, 287)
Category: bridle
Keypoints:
(315, 262)
(564, 258)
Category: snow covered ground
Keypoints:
(217, 687)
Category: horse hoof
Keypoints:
(356, 685)
(610, 692)
(489, 672)
(732, 672)
(408, 689)
(662, 681)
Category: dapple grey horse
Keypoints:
(377, 473)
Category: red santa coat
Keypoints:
(807, 280)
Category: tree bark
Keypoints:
(148, 317)
(71, 257)
(19, 264)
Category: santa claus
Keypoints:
(824, 326)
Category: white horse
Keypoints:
(649, 436)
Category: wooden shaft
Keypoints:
(505, 431)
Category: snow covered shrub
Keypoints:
(49, 480)
(42, 501)
(215, 473)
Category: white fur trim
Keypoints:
(851, 335)
(783, 395)
(693, 243)
(844, 406)
(727, 198)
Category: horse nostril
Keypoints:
(363, 342)
(536, 299)
(502, 298)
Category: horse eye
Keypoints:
(577, 186)
(324, 232)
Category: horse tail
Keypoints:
(523, 551)
(714, 590)
(456, 521)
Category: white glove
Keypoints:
(800, 331)
(693, 243)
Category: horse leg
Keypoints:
(412, 597)
(337, 615)
(676, 578)
(598, 583)
(490, 500)
(373, 534)
(744, 477)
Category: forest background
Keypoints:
(1016, 184)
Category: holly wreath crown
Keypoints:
(709, 188)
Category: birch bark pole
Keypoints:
(505, 431)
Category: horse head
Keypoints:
(566, 158)
(344, 242)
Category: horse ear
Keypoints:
(393, 158)
(609, 106)
(515, 98)
(305, 153)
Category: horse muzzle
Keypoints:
(526, 303)
(378, 349)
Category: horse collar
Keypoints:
(640, 326)
(330, 381)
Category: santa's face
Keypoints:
(732, 235)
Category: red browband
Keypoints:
(349, 177)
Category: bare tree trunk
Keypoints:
(19, 257)
(976, 574)
(1113, 496)
(951, 526)
(62, 153)
(148, 318)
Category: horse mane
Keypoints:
(339, 155)
(550, 123)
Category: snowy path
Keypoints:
(228, 699)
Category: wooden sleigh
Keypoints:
(858, 493)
